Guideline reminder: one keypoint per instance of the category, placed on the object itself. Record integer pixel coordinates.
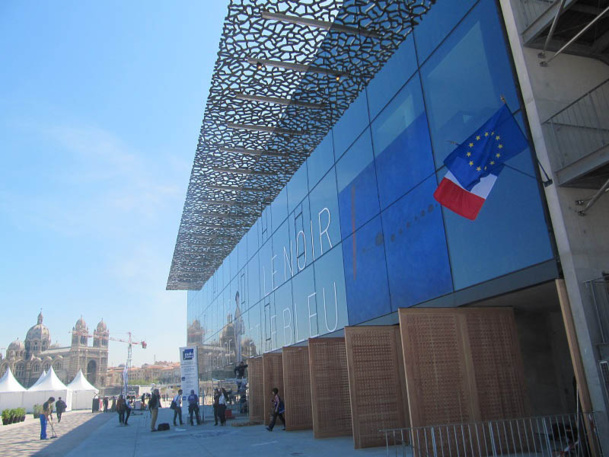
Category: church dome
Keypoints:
(101, 327)
(80, 325)
(16, 346)
(38, 331)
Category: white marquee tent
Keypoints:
(82, 392)
(49, 386)
(11, 392)
(42, 375)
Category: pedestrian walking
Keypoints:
(60, 407)
(120, 409)
(46, 416)
(127, 411)
(176, 405)
(278, 410)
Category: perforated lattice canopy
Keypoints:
(286, 71)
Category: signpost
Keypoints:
(189, 371)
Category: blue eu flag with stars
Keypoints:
(487, 149)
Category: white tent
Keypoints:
(82, 392)
(42, 375)
(49, 386)
(11, 392)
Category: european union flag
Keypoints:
(486, 150)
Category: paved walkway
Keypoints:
(100, 435)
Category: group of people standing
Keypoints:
(194, 413)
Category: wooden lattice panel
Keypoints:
(376, 382)
(497, 363)
(475, 354)
(329, 388)
(256, 387)
(434, 362)
(297, 385)
(272, 377)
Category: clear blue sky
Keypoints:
(101, 104)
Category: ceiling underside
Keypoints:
(286, 71)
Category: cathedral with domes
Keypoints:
(30, 358)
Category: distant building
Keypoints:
(159, 372)
(28, 359)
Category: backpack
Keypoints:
(163, 427)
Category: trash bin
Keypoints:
(95, 405)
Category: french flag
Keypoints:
(465, 203)
(474, 165)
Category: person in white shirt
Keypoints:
(177, 410)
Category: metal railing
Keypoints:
(530, 10)
(551, 436)
(599, 294)
(581, 128)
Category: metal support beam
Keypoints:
(278, 101)
(242, 171)
(325, 25)
(604, 189)
(572, 40)
(264, 128)
(238, 188)
(297, 67)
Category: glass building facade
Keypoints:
(356, 233)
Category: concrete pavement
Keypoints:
(92, 435)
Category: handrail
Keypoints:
(576, 101)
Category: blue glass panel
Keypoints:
(330, 292)
(509, 234)
(300, 233)
(253, 282)
(325, 227)
(266, 226)
(402, 145)
(358, 194)
(282, 259)
(417, 257)
(305, 305)
(366, 273)
(252, 240)
(464, 80)
(285, 315)
(254, 329)
(267, 266)
(242, 247)
(269, 320)
(392, 76)
(297, 187)
(436, 25)
(351, 124)
(320, 161)
(279, 209)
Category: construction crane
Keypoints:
(130, 343)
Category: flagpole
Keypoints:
(548, 181)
